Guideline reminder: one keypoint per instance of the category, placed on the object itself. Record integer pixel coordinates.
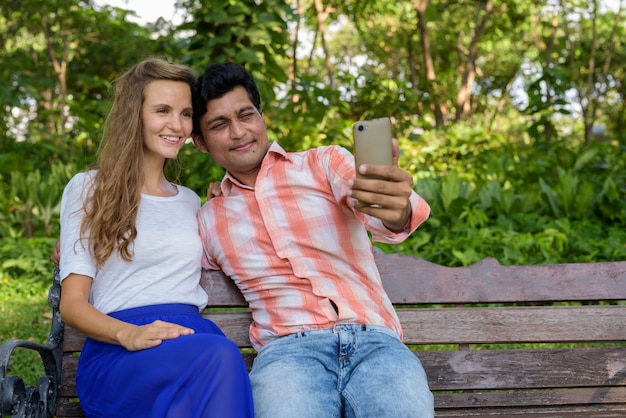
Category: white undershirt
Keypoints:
(167, 252)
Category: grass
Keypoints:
(25, 314)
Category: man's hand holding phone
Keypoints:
(381, 188)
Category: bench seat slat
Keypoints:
(602, 411)
(599, 397)
(504, 370)
(452, 405)
(524, 368)
(69, 408)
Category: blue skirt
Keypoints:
(198, 375)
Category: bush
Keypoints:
(25, 276)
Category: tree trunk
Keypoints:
(463, 101)
(322, 15)
(429, 67)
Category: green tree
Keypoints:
(57, 65)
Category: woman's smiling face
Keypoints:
(167, 117)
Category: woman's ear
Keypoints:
(198, 141)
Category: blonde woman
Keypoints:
(130, 266)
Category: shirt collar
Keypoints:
(274, 153)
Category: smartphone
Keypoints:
(372, 143)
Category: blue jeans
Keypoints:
(344, 371)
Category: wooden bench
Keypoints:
(496, 341)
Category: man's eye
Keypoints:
(248, 115)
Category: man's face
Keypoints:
(235, 135)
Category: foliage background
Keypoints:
(510, 115)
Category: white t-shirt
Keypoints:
(166, 264)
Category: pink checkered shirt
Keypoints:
(294, 243)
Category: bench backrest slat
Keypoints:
(466, 325)
(513, 324)
(410, 280)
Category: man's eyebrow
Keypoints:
(225, 118)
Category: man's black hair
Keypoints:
(217, 80)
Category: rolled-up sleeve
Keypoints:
(420, 210)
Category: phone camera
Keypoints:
(361, 128)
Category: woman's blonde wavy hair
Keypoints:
(112, 203)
